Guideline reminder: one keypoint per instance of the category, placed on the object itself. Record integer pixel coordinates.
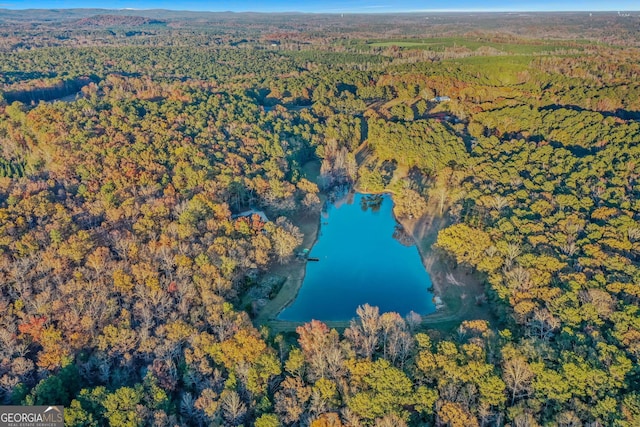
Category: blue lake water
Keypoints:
(361, 262)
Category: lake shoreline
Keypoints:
(301, 265)
(366, 257)
(411, 226)
(294, 271)
(458, 287)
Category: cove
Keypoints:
(361, 260)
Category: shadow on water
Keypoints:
(364, 256)
(401, 235)
(371, 201)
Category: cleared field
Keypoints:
(440, 44)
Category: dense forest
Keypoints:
(129, 144)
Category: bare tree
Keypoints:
(525, 420)
(517, 376)
(568, 419)
(498, 202)
(511, 252)
(391, 420)
(518, 278)
(397, 342)
(364, 333)
(414, 320)
(350, 418)
(233, 408)
(543, 324)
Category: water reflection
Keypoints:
(404, 238)
(371, 201)
(364, 257)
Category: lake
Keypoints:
(361, 260)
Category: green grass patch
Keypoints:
(442, 43)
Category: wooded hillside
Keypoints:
(124, 267)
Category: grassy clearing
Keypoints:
(440, 44)
(459, 288)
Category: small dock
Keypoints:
(303, 254)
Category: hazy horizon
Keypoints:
(333, 6)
